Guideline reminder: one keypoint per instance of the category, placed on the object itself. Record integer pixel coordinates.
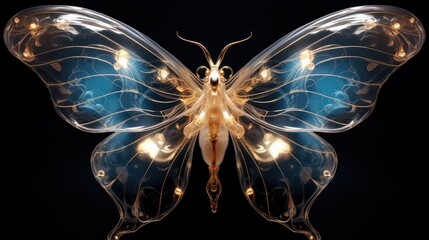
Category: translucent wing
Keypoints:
(146, 173)
(325, 76)
(281, 173)
(102, 74)
(106, 76)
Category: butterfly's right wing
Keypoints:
(282, 173)
(102, 74)
(325, 76)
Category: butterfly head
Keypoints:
(214, 74)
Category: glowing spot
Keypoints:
(401, 53)
(16, 20)
(151, 146)
(116, 237)
(265, 74)
(249, 191)
(226, 115)
(275, 146)
(122, 58)
(412, 20)
(163, 74)
(33, 25)
(307, 58)
(370, 23)
(178, 191)
(26, 53)
(396, 25)
(101, 173)
(62, 24)
(326, 173)
(232, 125)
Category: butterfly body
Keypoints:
(105, 76)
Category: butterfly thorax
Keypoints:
(212, 120)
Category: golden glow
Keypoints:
(401, 53)
(307, 58)
(396, 25)
(326, 173)
(370, 23)
(276, 146)
(232, 125)
(194, 127)
(151, 146)
(26, 53)
(412, 20)
(33, 26)
(249, 191)
(101, 173)
(178, 191)
(226, 115)
(163, 74)
(122, 58)
(116, 237)
(265, 74)
(16, 20)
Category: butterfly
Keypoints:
(104, 76)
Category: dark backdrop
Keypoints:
(48, 191)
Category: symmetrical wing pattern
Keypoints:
(104, 76)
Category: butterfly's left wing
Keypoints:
(324, 76)
(146, 173)
(104, 76)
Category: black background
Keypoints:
(48, 191)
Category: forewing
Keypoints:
(146, 173)
(282, 173)
(102, 74)
(326, 75)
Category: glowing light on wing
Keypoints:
(307, 58)
(122, 57)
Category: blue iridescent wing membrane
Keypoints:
(326, 75)
(281, 173)
(105, 76)
(102, 74)
(146, 173)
